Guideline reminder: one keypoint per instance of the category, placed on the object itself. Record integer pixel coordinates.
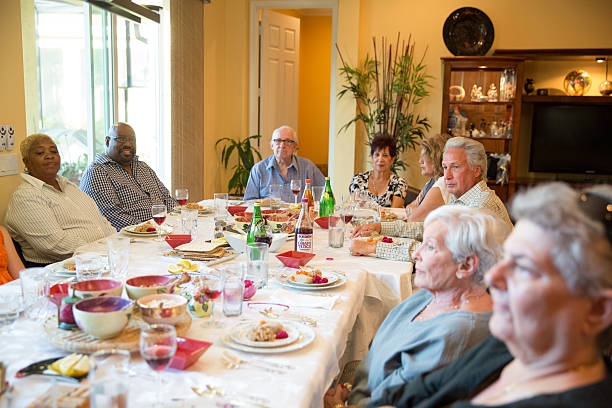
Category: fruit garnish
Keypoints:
(387, 240)
(262, 322)
(281, 334)
(151, 229)
(175, 269)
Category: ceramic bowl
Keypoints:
(178, 239)
(238, 242)
(103, 317)
(323, 222)
(234, 209)
(247, 216)
(148, 285)
(295, 259)
(163, 308)
(96, 287)
(242, 224)
(281, 224)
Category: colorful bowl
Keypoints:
(163, 308)
(188, 351)
(103, 317)
(247, 216)
(242, 224)
(96, 287)
(176, 240)
(234, 209)
(265, 213)
(295, 259)
(148, 285)
(281, 224)
(323, 222)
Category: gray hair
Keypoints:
(581, 251)
(277, 131)
(472, 231)
(474, 150)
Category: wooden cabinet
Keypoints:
(493, 117)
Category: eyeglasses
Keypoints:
(287, 141)
(122, 139)
(597, 208)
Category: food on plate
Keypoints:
(386, 215)
(65, 396)
(376, 237)
(308, 276)
(163, 303)
(268, 332)
(146, 227)
(69, 264)
(74, 365)
(194, 206)
(265, 202)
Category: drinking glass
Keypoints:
(233, 288)
(208, 288)
(118, 249)
(157, 347)
(336, 230)
(108, 378)
(189, 221)
(88, 266)
(220, 201)
(257, 264)
(159, 216)
(296, 186)
(10, 305)
(34, 289)
(181, 195)
(317, 192)
(276, 194)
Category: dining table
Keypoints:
(341, 321)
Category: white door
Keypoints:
(279, 62)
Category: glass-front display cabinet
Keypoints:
(482, 100)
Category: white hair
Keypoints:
(472, 231)
(277, 131)
(474, 150)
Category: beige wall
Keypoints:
(12, 104)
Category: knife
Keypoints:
(41, 368)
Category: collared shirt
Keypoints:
(50, 224)
(267, 172)
(479, 196)
(124, 198)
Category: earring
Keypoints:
(459, 275)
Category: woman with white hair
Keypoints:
(552, 313)
(448, 316)
(47, 214)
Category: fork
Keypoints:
(272, 367)
(212, 392)
(273, 315)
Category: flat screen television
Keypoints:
(569, 138)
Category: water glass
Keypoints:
(257, 264)
(10, 305)
(276, 194)
(233, 288)
(220, 200)
(317, 192)
(189, 221)
(336, 231)
(118, 249)
(88, 266)
(108, 378)
(34, 288)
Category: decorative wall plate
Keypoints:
(468, 31)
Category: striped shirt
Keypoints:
(124, 199)
(479, 196)
(50, 224)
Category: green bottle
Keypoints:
(327, 203)
(257, 230)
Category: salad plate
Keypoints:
(306, 336)
(241, 334)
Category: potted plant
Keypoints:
(245, 152)
(387, 87)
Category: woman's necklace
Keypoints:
(374, 188)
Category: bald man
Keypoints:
(123, 187)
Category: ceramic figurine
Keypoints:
(476, 93)
(529, 87)
(492, 93)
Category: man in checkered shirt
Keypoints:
(123, 187)
(465, 169)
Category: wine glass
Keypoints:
(207, 289)
(181, 195)
(296, 186)
(157, 347)
(159, 216)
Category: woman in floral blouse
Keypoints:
(387, 189)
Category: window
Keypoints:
(94, 69)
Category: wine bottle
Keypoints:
(327, 203)
(303, 230)
(308, 194)
(257, 227)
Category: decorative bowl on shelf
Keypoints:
(295, 259)
(605, 88)
(577, 83)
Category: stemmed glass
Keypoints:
(208, 288)
(181, 195)
(159, 216)
(296, 186)
(157, 347)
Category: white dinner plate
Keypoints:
(202, 211)
(129, 230)
(307, 335)
(240, 334)
(331, 279)
(59, 268)
(287, 283)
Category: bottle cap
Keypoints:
(304, 200)
(326, 178)
(308, 181)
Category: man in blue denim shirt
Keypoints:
(123, 187)
(281, 168)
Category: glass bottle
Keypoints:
(327, 203)
(308, 194)
(303, 230)
(257, 230)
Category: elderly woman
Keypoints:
(47, 214)
(552, 313)
(10, 264)
(434, 193)
(448, 316)
(387, 189)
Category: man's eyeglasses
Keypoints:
(286, 141)
(122, 139)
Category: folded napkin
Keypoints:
(195, 246)
(294, 299)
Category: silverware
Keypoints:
(234, 399)
(268, 365)
(304, 319)
(235, 362)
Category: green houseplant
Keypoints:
(245, 153)
(387, 87)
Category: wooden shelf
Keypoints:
(582, 100)
(554, 53)
(482, 103)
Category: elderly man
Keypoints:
(281, 168)
(123, 187)
(465, 168)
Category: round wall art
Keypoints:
(468, 31)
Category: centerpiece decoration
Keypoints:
(387, 87)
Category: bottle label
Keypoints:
(303, 242)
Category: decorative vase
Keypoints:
(605, 88)
(577, 83)
(529, 87)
